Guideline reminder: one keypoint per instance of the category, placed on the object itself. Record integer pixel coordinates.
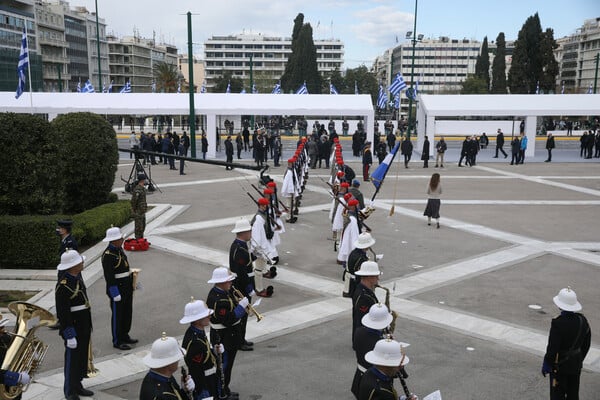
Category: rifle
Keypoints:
(279, 201)
(268, 222)
(360, 215)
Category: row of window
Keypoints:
(266, 46)
(15, 23)
(13, 39)
(436, 66)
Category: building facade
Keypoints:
(576, 55)
(269, 57)
(198, 68)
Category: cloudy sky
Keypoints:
(367, 28)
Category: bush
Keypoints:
(90, 156)
(36, 245)
(31, 172)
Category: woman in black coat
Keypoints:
(425, 153)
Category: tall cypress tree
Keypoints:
(288, 77)
(526, 67)
(306, 61)
(499, 66)
(549, 64)
(482, 66)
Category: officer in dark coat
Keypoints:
(75, 320)
(367, 160)
(204, 146)
(240, 263)
(119, 289)
(406, 148)
(500, 144)
(425, 153)
(355, 259)
(200, 356)
(364, 294)
(225, 322)
(568, 344)
(163, 361)
(67, 241)
(464, 151)
(228, 151)
(549, 146)
(373, 325)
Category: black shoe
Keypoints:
(73, 397)
(249, 343)
(495, 157)
(346, 294)
(182, 173)
(546, 160)
(85, 392)
(245, 347)
(130, 341)
(122, 346)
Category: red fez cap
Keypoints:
(340, 162)
(353, 202)
(336, 139)
(271, 184)
(263, 202)
(268, 191)
(340, 174)
(345, 184)
(291, 160)
(347, 196)
(304, 139)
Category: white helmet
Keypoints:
(378, 317)
(113, 233)
(566, 300)
(364, 241)
(165, 351)
(387, 352)
(222, 274)
(195, 310)
(69, 259)
(241, 225)
(368, 268)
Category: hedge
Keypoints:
(30, 242)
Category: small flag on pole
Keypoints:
(153, 87)
(277, 88)
(537, 88)
(178, 87)
(332, 89)
(104, 89)
(243, 91)
(203, 88)
(397, 85)
(228, 90)
(254, 89)
(356, 88)
(590, 90)
(562, 89)
(302, 89)
(109, 90)
(22, 65)
(397, 101)
(126, 88)
(381, 98)
(88, 87)
(79, 87)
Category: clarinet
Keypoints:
(222, 393)
(184, 376)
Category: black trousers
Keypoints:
(231, 339)
(500, 149)
(549, 154)
(76, 360)
(567, 386)
(120, 322)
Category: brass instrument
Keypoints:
(91, 370)
(387, 304)
(251, 310)
(26, 351)
(135, 272)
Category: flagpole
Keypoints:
(29, 68)
(385, 174)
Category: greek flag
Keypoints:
(22, 66)
(562, 89)
(381, 98)
(537, 88)
(378, 175)
(302, 89)
(79, 87)
(126, 88)
(88, 87)
(243, 91)
(277, 88)
(104, 90)
(203, 88)
(332, 89)
(153, 86)
(109, 90)
(416, 88)
(356, 88)
(397, 101)
(254, 89)
(590, 90)
(397, 85)
(228, 90)
(179, 87)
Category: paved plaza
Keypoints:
(510, 237)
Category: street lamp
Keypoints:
(412, 72)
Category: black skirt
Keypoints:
(433, 208)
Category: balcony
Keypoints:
(53, 42)
(54, 58)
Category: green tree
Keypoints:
(365, 80)
(88, 149)
(235, 84)
(482, 66)
(526, 67)
(474, 85)
(499, 66)
(289, 77)
(550, 68)
(166, 76)
(302, 63)
(32, 172)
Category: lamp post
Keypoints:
(412, 72)
(596, 74)
(251, 87)
(192, 116)
(98, 47)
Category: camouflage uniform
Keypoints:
(139, 207)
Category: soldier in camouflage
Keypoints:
(139, 206)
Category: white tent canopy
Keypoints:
(524, 106)
(209, 104)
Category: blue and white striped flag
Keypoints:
(537, 88)
(397, 101)
(79, 87)
(378, 175)
(203, 88)
(397, 85)
(178, 87)
(126, 88)
(88, 87)
(356, 88)
(22, 66)
(381, 98)
(254, 89)
(590, 90)
(228, 90)
(332, 89)
(153, 86)
(109, 90)
(302, 89)
(243, 91)
(277, 88)
(104, 89)
(562, 89)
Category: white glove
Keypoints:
(138, 286)
(24, 378)
(219, 348)
(378, 257)
(72, 343)
(252, 293)
(117, 298)
(189, 384)
(244, 302)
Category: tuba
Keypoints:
(26, 351)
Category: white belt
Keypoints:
(361, 368)
(122, 275)
(221, 326)
(211, 371)
(79, 308)
(251, 274)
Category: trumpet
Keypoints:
(251, 310)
